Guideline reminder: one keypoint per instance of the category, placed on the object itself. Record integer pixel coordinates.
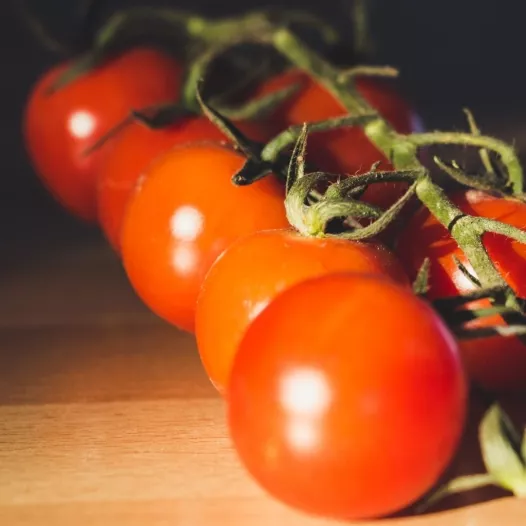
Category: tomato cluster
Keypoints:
(335, 374)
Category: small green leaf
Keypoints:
(500, 446)
(161, 116)
(251, 149)
(421, 283)
(251, 172)
(154, 117)
(460, 176)
(454, 486)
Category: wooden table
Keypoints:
(106, 417)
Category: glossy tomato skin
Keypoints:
(59, 127)
(347, 150)
(133, 150)
(496, 363)
(255, 269)
(183, 214)
(347, 398)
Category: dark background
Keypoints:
(451, 53)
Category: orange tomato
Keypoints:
(255, 269)
(183, 214)
(132, 152)
(347, 397)
(61, 126)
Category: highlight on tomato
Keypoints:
(345, 150)
(60, 126)
(184, 212)
(347, 397)
(255, 269)
(134, 149)
(495, 362)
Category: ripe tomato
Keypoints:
(59, 127)
(346, 150)
(182, 215)
(495, 362)
(347, 397)
(131, 153)
(255, 269)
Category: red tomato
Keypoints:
(59, 127)
(495, 362)
(254, 270)
(347, 150)
(347, 397)
(183, 214)
(131, 153)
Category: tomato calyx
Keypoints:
(153, 117)
(504, 456)
(338, 201)
(255, 167)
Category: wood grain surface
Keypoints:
(106, 417)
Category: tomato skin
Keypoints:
(496, 363)
(255, 269)
(183, 214)
(347, 398)
(133, 150)
(347, 150)
(58, 128)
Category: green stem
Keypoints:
(505, 151)
(402, 150)
(367, 71)
(296, 51)
(289, 136)
(122, 21)
(258, 107)
(490, 225)
(463, 229)
(475, 130)
(39, 30)
(398, 148)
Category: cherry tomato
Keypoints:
(183, 214)
(347, 397)
(495, 362)
(346, 150)
(60, 127)
(131, 153)
(255, 269)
